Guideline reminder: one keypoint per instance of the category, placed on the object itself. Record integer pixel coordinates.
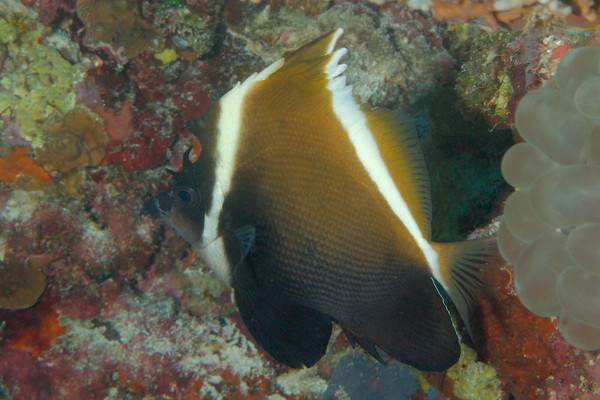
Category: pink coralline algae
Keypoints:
(530, 355)
(191, 101)
(119, 124)
(146, 147)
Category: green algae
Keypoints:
(165, 5)
(196, 31)
(484, 82)
(36, 81)
(474, 380)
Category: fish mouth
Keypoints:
(158, 205)
(187, 221)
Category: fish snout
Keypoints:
(159, 205)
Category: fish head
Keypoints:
(183, 207)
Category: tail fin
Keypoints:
(462, 265)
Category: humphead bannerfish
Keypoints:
(316, 210)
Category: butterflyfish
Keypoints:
(317, 210)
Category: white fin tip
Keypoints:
(336, 36)
(339, 69)
(337, 84)
(332, 65)
(264, 74)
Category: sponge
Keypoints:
(550, 230)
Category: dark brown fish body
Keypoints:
(315, 211)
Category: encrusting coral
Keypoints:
(195, 29)
(77, 139)
(117, 24)
(21, 282)
(551, 230)
(35, 81)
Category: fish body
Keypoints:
(316, 210)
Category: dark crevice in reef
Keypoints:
(463, 159)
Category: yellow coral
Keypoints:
(473, 379)
(503, 96)
(35, 82)
(167, 56)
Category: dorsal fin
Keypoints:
(315, 49)
(398, 144)
(316, 60)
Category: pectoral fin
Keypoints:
(226, 252)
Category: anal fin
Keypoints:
(292, 334)
(408, 321)
(368, 345)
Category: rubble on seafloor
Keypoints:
(99, 301)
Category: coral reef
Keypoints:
(508, 14)
(474, 380)
(101, 102)
(531, 358)
(501, 67)
(197, 30)
(485, 82)
(397, 57)
(146, 147)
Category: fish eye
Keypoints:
(186, 197)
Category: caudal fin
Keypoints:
(462, 265)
